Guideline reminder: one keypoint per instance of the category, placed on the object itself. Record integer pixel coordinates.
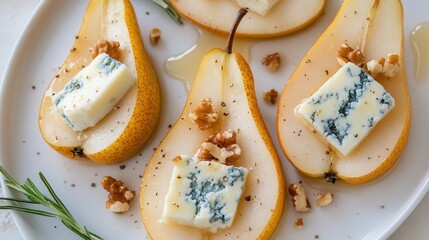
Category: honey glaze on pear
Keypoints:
(178, 66)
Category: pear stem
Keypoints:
(240, 16)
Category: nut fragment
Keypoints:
(204, 116)
(106, 46)
(155, 36)
(348, 54)
(324, 199)
(272, 61)
(382, 68)
(299, 223)
(221, 147)
(299, 198)
(271, 96)
(119, 195)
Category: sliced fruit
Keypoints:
(283, 18)
(124, 131)
(376, 27)
(227, 80)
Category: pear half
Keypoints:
(227, 80)
(377, 26)
(286, 16)
(124, 131)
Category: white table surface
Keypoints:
(13, 16)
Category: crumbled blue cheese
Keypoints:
(203, 194)
(93, 92)
(346, 108)
(260, 7)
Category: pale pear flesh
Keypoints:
(224, 78)
(381, 148)
(102, 21)
(283, 18)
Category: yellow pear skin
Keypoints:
(124, 131)
(227, 80)
(382, 147)
(283, 18)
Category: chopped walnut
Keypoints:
(299, 223)
(272, 61)
(382, 68)
(106, 46)
(348, 54)
(324, 199)
(204, 116)
(155, 36)
(271, 96)
(299, 198)
(119, 195)
(221, 147)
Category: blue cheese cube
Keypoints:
(346, 108)
(203, 194)
(90, 95)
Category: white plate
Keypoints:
(356, 212)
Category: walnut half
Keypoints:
(270, 96)
(348, 54)
(383, 68)
(204, 116)
(299, 198)
(272, 61)
(119, 195)
(106, 46)
(221, 147)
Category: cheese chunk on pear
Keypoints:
(90, 95)
(224, 80)
(124, 130)
(272, 20)
(377, 27)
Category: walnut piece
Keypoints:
(155, 36)
(119, 195)
(270, 96)
(299, 223)
(272, 61)
(382, 68)
(106, 46)
(324, 199)
(299, 198)
(204, 116)
(221, 147)
(348, 54)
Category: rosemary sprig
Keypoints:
(165, 4)
(34, 196)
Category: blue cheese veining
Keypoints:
(203, 194)
(346, 108)
(90, 95)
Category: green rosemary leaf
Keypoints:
(166, 5)
(17, 200)
(35, 196)
(53, 194)
(28, 210)
(76, 230)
